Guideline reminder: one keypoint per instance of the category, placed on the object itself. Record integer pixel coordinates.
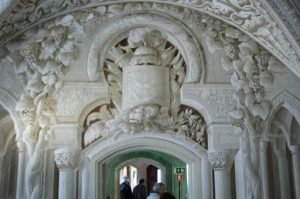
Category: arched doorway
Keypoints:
(144, 164)
(99, 154)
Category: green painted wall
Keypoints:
(168, 161)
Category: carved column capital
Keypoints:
(220, 160)
(67, 159)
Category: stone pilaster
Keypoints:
(21, 169)
(295, 150)
(264, 168)
(221, 163)
(67, 161)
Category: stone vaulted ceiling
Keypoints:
(272, 23)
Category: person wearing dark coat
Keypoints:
(139, 191)
(125, 189)
(167, 195)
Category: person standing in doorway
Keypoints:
(125, 189)
(157, 190)
(139, 191)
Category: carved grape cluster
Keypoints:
(29, 54)
(257, 89)
(27, 117)
(59, 34)
(263, 60)
(232, 51)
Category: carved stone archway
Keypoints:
(199, 170)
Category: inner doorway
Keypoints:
(151, 177)
(153, 166)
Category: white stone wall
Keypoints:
(219, 59)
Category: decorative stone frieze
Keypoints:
(220, 100)
(220, 160)
(74, 95)
(284, 97)
(67, 159)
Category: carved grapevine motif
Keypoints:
(40, 62)
(250, 66)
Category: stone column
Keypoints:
(67, 161)
(221, 163)
(21, 169)
(295, 150)
(264, 168)
(283, 173)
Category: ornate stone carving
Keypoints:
(96, 123)
(247, 15)
(191, 124)
(145, 62)
(220, 101)
(34, 174)
(41, 60)
(251, 67)
(220, 160)
(155, 109)
(288, 14)
(41, 57)
(181, 38)
(286, 97)
(74, 95)
(67, 159)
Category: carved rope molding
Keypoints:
(67, 159)
(220, 160)
(249, 16)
